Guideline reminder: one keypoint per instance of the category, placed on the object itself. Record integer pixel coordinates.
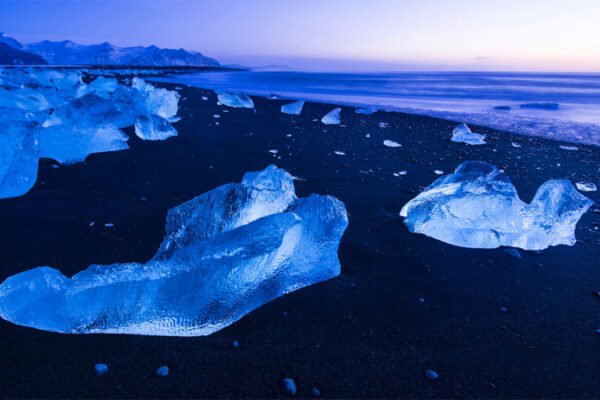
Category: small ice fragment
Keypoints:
(289, 385)
(366, 110)
(586, 186)
(293, 108)
(216, 116)
(274, 151)
(236, 344)
(153, 127)
(383, 124)
(391, 143)
(339, 153)
(101, 368)
(438, 172)
(462, 134)
(162, 371)
(332, 117)
(431, 375)
(315, 392)
(109, 225)
(235, 100)
(569, 148)
(515, 144)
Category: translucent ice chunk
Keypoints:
(332, 117)
(293, 108)
(69, 145)
(225, 253)
(462, 134)
(19, 154)
(586, 186)
(235, 100)
(153, 127)
(477, 206)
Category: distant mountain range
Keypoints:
(71, 53)
(12, 56)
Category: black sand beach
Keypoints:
(364, 334)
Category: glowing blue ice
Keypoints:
(294, 108)
(235, 100)
(332, 117)
(462, 134)
(477, 206)
(225, 253)
(51, 113)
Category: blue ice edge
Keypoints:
(225, 253)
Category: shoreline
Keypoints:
(363, 334)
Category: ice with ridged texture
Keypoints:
(294, 108)
(225, 253)
(332, 117)
(235, 100)
(69, 145)
(153, 127)
(19, 154)
(478, 207)
(70, 120)
(159, 101)
(462, 134)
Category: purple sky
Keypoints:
(333, 34)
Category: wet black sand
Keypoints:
(364, 334)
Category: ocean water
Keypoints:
(470, 97)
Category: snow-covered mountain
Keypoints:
(71, 53)
(11, 56)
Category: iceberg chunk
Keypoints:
(19, 155)
(332, 117)
(69, 145)
(225, 253)
(159, 101)
(478, 207)
(153, 127)
(235, 100)
(462, 134)
(293, 108)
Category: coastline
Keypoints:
(364, 334)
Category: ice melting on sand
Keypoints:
(586, 186)
(462, 134)
(235, 100)
(391, 143)
(478, 207)
(224, 254)
(153, 127)
(332, 117)
(293, 108)
(53, 114)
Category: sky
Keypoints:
(524, 35)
